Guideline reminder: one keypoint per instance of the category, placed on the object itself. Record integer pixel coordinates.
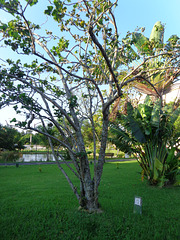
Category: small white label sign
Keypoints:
(138, 201)
(138, 205)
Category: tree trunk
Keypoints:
(89, 188)
(88, 200)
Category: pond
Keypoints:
(38, 157)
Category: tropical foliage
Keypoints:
(161, 72)
(148, 132)
(10, 138)
(9, 156)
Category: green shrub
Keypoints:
(9, 156)
(148, 131)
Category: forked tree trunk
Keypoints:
(89, 188)
(88, 198)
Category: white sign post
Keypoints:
(137, 205)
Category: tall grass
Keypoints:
(38, 204)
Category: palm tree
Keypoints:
(161, 70)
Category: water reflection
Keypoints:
(26, 157)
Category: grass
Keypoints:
(39, 205)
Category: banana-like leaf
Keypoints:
(156, 79)
(141, 42)
(137, 132)
(158, 169)
(170, 156)
(175, 115)
(130, 109)
(158, 165)
(121, 139)
(119, 133)
(147, 100)
(155, 116)
(146, 111)
(125, 41)
(137, 114)
(157, 33)
(155, 174)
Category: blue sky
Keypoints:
(130, 14)
(145, 13)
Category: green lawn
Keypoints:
(40, 205)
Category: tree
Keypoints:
(42, 139)
(10, 138)
(63, 79)
(159, 71)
